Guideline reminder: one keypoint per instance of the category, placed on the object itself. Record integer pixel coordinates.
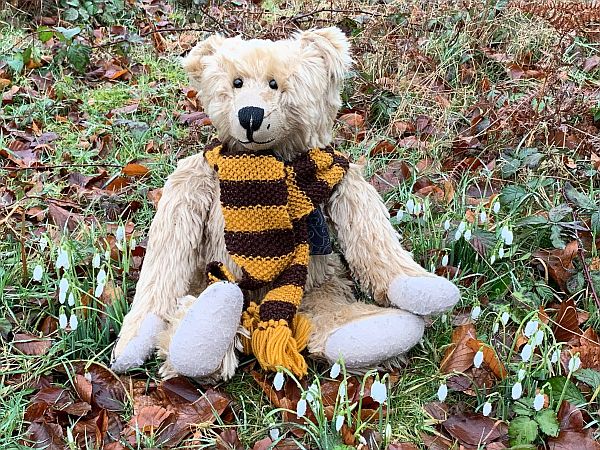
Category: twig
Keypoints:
(148, 33)
(61, 166)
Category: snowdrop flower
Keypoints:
(301, 408)
(521, 374)
(62, 321)
(574, 363)
(362, 440)
(343, 390)
(555, 356)
(388, 432)
(442, 392)
(445, 260)
(531, 328)
(517, 391)
(501, 252)
(378, 392)
(487, 409)
(99, 290)
(417, 208)
(274, 433)
(62, 260)
(339, 422)
(478, 359)
(505, 318)
(310, 393)
(482, 217)
(410, 206)
(71, 299)
(468, 234)
(508, 237)
(457, 235)
(63, 287)
(492, 259)
(101, 277)
(526, 352)
(496, 207)
(399, 214)
(538, 402)
(496, 327)
(462, 226)
(476, 312)
(43, 243)
(132, 243)
(107, 255)
(538, 337)
(73, 322)
(278, 381)
(335, 370)
(38, 271)
(96, 261)
(447, 224)
(120, 233)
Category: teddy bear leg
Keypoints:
(200, 339)
(363, 335)
(423, 295)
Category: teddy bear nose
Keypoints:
(251, 118)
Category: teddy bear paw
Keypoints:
(423, 295)
(138, 349)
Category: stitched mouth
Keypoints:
(255, 142)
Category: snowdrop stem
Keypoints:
(564, 390)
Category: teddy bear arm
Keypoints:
(172, 258)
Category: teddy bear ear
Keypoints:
(193, 63)
(332, 45)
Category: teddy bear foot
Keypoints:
(206, 334)
(423, 295)
(370, 341)
(140, 347)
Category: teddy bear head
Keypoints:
(278, 95)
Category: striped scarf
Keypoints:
(265, 203)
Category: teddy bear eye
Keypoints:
(238, 83)
(273, 84)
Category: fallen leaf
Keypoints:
(48, 436)
(31, 345)
(559, 263)
(154, 196)
(383, 147)
(475, 429)
(490, 358)
(149, 419)
(566, 327)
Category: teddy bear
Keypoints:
(240, 256)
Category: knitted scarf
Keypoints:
(265, 203)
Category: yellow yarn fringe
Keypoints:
(274, 346)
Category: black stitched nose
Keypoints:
(251, 118)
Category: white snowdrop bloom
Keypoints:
(442, 392)
(445, 260)
(482, 217)
(335, 370)
(311, 392)
(505, 317)
(496, 207)
(38, 272)
(468, 234)
(517, 391)
(476, 312)
(120, 233)
(62, 320)
(43, 242)
(301, 408)
(378, 392)
(96, 261)
(574, 363)
(447, 224)
(538, 337)
(99, 290)
(71, 299)
(274, 433)
(526, 352)
(70, 438)
(496, 327)
(107, 255)
(278, 381)
(487, 409)
(63, 287)
(531, 328)
(538, 402)
(417, 208)
(101, 277)
(492, 259)
(73, 322)
(388, 432)
(410, 206)
(343, 390)
(399, 214)
(503, 232)
(457, 235)
(339, 422)
(462, 226)
(362, 440)
(132, 243)
(501, 252)
(521, 374)
(62, 260)
(555, 356)
(478, 359)
(508, 239)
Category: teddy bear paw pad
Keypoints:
(423, 295)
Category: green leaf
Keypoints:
(16, 63)
(78, 56)
(512, 195)
(68, 33)
(590, 377)
(531, 157)
(559, 212)
(572, 394)
(27, 54)
(548, 422)
(5, 327)
(556, 238)
(44, 34)
(581, 200)
(510, 167)
(532, 220)
(522, 430)
(71, 14)
(596, 221)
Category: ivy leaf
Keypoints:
(522, 430)
(581, 200)
(590, 377)
(71, 14)
(78, 56)
(572, 394)
(559, 212)
(548, 422)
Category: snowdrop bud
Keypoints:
(447, 224)
(445, 260)
(101, 277)
(274, 433)
(343, 390)
(487, 409)
(496, 327)
(96, 261)
(63, 287)
(517, 391)
(496, 207)
(417, 208)
(71, 299)
(339, 422)
(531, 328)
(457, 235)
(378, 392)
(442, 392)
(468, 234)
(62, 260)
(43, 243)
(501, 252)
(538, 337)
(301, 408)
(555, 356)
(574, 363)
(132, 243)
(38, 271)
(107, 255)
(62, 320)
(482, 217)
(462, 226)
(526, 352)
(492, 259)
(99, 290)
(478, 359)
(476, 312)
(335, 370)
(521, 374)
(120, 233)
(399, 214)
(73, 322)
(388, 432)
(538, 402)
(410, 206)
(278, 381)
(505, 318)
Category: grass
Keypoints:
(430, 61)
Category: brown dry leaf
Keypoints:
(154, 196)
(383, 147)
(117, 183)
(229, 440)
(4, 82)
(31, 345)
(403, 446)
(448, 192)
(432, 191)
(459, 356)
(354, 120)
(475, 429)
(490, 359)
(566, 327)
(437, 442)
(196, 118)
(559, 263)
(48, 436)
(107, 390)
(149, 419)
(572, 434)
(589, 350)
(63, 218)
(391, 176)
